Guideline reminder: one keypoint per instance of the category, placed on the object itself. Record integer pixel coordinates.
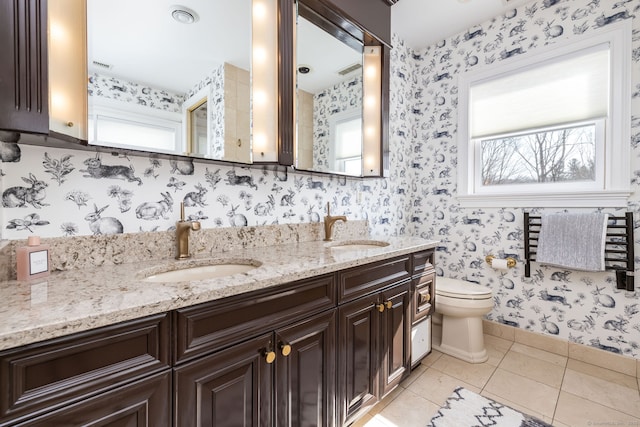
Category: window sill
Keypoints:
(591, 199)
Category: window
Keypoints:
(134, 127)
(550, 129)
(346, 149)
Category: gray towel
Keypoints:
(573, 241)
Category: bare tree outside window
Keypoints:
(558, 155)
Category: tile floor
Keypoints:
(554, 388)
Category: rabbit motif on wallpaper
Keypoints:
(20, 197)
(99, 225)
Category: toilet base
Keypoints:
(460, 337)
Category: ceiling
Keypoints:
(147, 46)
(421, 23)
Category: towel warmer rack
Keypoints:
(618, 252)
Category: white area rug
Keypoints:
(465, 408)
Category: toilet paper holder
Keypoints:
(511, 262)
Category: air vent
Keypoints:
(349, 69)
(102, 65)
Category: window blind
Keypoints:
(561, 90)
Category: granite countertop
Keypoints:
(79, 300)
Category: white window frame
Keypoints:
(614, 191)
(134, 114)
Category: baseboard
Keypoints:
(584, 353)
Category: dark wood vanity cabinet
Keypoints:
(423, 285)
(120, 373)
(317, 352)
(373, 334)
(283, 376)
(24, 90)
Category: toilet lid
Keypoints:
(456, 288)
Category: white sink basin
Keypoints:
(356, 245)
(201, 272)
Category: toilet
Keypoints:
(457, 322)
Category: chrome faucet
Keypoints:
(329, 221)
(182, 234)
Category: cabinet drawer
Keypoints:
(423, 262)
(212, 326)
(43, 376)
(143, 403)
(368, 278)
(423, 296)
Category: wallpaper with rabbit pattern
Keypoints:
(56, 192)
(134, 93)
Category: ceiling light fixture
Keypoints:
(183, 14)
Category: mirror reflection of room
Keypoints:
(159, 82)
(329, 99)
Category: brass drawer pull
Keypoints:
(270, 356)
(285, 349)
(380, 307)
(388, 304)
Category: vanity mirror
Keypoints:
(340, 101)
(171, 79)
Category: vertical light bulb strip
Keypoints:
(67, 67)
(371, 105)
(264, 80)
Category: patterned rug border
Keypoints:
(465, 408)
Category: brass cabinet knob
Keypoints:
(270, 356)
(380, 307)
(388, 304)
(425, 298)
(285, 349)
(69, 124)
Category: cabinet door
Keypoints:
(232, 387)
(143, 403)
(396, 336)
(23, 68)
(358, 332)
(306, 374)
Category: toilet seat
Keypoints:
(461, 289)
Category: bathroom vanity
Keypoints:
(314, 335)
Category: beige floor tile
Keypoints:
(522, 391)
(559, 424)
(604, 392)
(498, 343)
(602, 358)
(386, 401)
(407, 410)
(431, 358)
(436, 386)
(496, 348)
(515, 406)
(533, 368)
(363, 422)
(542, 342)
(576, 411)
(476, 374)
(547, 356)
(417, 371)
(602, 373)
